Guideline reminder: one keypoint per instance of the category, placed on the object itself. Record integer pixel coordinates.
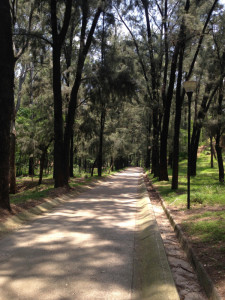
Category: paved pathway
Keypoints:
(84, 249)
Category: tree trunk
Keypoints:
(58, 120)
(176, 138)
(163, 172)
(211, 151)
(111, 165)
(218, 136)
(83, 51)
(42, 163)
(194, 150)
(148, 149)
(71, 156)
(58, 40)
(92, 168)
(102, 125)
(155, 144)
(31, 166)
(220, 160)
(6, 99)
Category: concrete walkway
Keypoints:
(86, 249)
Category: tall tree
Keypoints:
(63, 138)
(6, 99)
(58, 39)
(180, 92)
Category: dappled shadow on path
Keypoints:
(82, 250)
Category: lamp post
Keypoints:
(189, 87)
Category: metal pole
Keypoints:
(189, 94)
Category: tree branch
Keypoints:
(201, 39)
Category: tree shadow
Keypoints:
(83, 249)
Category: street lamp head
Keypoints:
(190, 86)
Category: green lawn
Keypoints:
(206, 220)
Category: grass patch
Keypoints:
(206, 219)
(212, 230)
(205, 186)
(29, 195)
(30, 190)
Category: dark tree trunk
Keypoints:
(111, 164)
(100, 152)
(148, 149)
(42, 163)
(220, 160)
(84, 48)
(155, 143)
(194, 150)
(211, 151)
(92, 168)
(31, 166)
(163, 172)
(71, 156)
(6, 99)
(58, 120)
(58, 40)
(218, 136)
(176, 138)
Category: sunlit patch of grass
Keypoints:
(205, 186)
(207, 230)
(209, 214)
(206, 193)
(29, 195)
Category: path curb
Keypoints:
(202, 275)
(16, 221)
(152, 267)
